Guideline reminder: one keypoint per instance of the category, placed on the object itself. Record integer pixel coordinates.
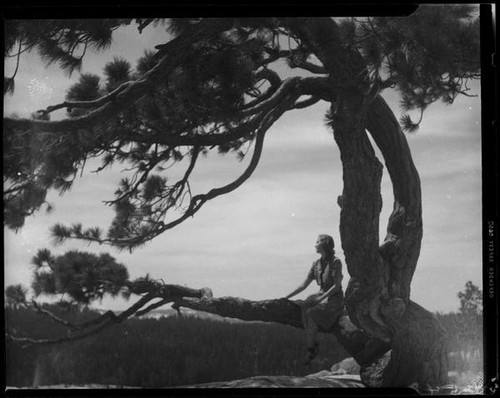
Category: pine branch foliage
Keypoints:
(83, 277)
(215, 97)
(428, 56)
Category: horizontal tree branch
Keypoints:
(51, 315)
(171, 55)
(306, 103)
(310, 67)
(362, 347)
(152, 290)
(153, 306)
(109, 320)
(283, 100)
(86, 104)
(319, 87)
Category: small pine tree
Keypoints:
(83, 277)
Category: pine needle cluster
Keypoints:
(221, 92)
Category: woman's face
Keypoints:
(320, 247)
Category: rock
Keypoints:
(311, 381)
(347, 366)
(344, 374)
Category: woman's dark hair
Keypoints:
(327, 242)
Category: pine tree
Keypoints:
(214, 85)
(83, 277)
(471, 316)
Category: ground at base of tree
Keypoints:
(463, 382)
(72, 387)
(312, 381)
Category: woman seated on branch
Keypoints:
(316, 313)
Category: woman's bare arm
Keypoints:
(301, 287)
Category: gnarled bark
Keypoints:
(362, 347)
(378, 295)
(416, 332)
(381, 314)
(401, 247)
(377, 298)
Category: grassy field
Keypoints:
(170, 351)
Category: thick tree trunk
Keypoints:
(381, 314)
(377, 298)
(417, 333)
(378, 295)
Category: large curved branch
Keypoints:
(195, 203)
(312, 86)
(267, 74)
(286, 100)
(199, 140)
(296, 87)
(306, 103)
(124, 96)
(274, 83)
(401, 247)
(285, 89)
(361, 203)
(377, 297)
(194, 206)
(283, 100)
(170, 55)
(318, 87)
(362, 172)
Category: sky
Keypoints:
(258, 241)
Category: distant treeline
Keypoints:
(184, 350)
(159, 352)
(464, 341)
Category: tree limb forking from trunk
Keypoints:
(378, 295)
(282, 101)
(381, 314)
(363, 348)
(401, 247)
(400, 252)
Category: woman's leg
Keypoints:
(312, 327)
